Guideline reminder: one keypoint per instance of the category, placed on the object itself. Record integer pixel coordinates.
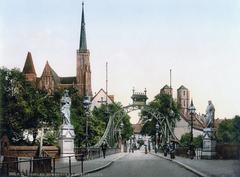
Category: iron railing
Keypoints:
(50, 167)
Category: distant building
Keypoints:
(100, 98)
(183, 99)
(166, 90)
(50, 81)
(137, 131)
(139, 98)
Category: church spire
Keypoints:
(28, 66)
(83, 40)
(28, 69)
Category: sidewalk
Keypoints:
(213, 168)
(88, 166)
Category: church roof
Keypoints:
(67, 80)
(182, 87)
(83, 40)
(28, 66)
(101, 90)
(166, 87)
(52, 72)
(198, 124)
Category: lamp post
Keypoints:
(86, 106)
(171, 115)
(157, 131)
(120, 135)
(192, 110)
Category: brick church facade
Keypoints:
(50, 81)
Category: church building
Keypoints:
(51, 81)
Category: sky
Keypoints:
(141, 41)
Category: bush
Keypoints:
(186, 138)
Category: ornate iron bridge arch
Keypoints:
(139, 102)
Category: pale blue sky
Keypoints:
(141, 40)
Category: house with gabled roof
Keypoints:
(101, 97)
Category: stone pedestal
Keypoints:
(66, 141)
(209, 143)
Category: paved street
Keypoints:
(213, 168)
(62, 167)
(138, 164)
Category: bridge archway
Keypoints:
(139, 103)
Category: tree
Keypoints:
(186, 140)
(198, 141)
(166, 106)
(229, 130)
(25, 107)
(104, 112)
(96, 124)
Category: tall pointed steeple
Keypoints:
(28, 69)
(28, 66)
(83, 40)
(83, 77)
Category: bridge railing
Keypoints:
(49, 166)
(183, 151)
(93, 153)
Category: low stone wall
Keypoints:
(228, 151)
(31, 151)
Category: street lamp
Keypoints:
(86, 106)
(171, 115)
(192, 110)
(157, 131)
(120, 135)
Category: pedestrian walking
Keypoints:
(104, 148)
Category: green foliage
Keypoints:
(166, 106)
(50, 138)
(198, 141)
(25, 107)
(104, 112)
(186, 140)
(127, 131)
(229, 131)
(79, 118)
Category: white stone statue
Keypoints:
(209, 117)
(65, 108)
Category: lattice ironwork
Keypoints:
(112, 125)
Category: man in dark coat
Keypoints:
(104, 148)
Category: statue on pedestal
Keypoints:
(210, 113)
(65, 108)
(209, 137)
(66, 130)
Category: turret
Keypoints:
(166, 90)
(183, 99)
(29, 70)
